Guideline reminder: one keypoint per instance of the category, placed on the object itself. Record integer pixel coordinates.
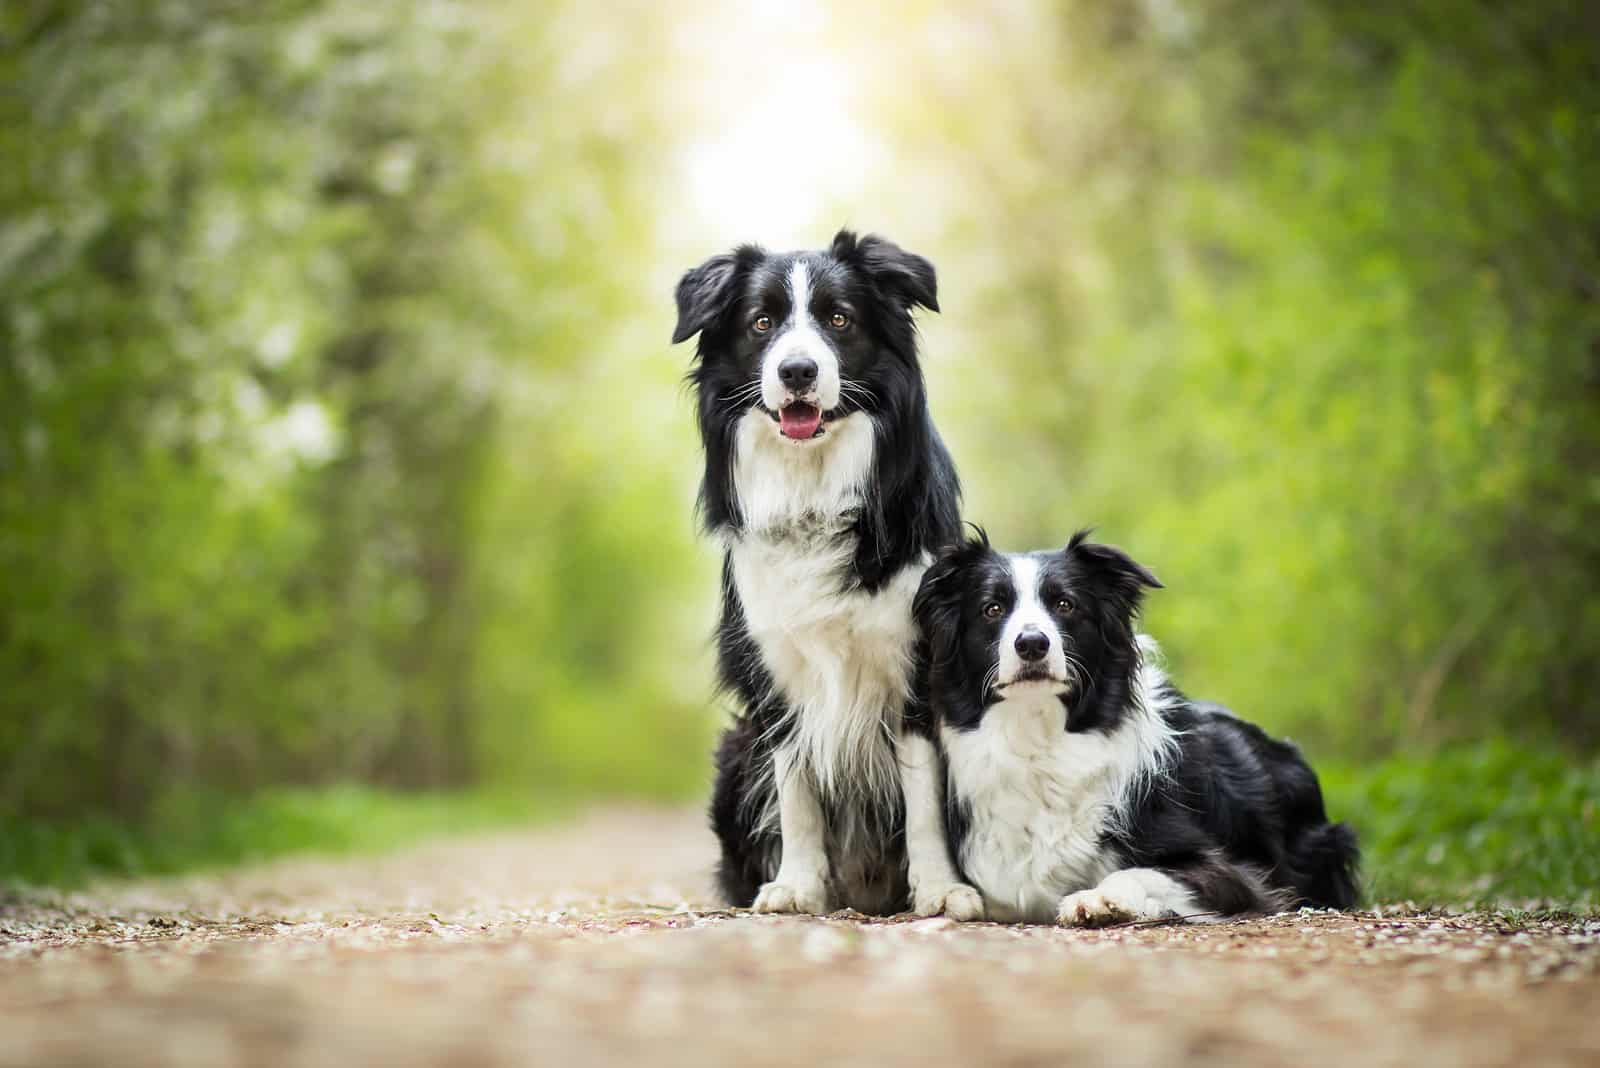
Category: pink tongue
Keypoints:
(799, 421)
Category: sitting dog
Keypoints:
(829, 490)
(1082, 787)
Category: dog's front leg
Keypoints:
(801, 884)
(935, 885)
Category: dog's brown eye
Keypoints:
(1064, 606)
(762, 324)
(840, 320)
(993, 610)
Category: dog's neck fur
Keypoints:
(882, 478)
(785, 490)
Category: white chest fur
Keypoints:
(841, 658)
(1040, 799)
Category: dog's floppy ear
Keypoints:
(902, 275)
(705, 292)
(937, 606)
(1121, 574)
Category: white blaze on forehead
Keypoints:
(800, 292)
(798, 335)
(1028, 612)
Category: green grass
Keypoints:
(193, 831)
(1492, 824)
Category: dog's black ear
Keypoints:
(936, 608)
(705, 292)
(903, 275)
(1121, 574)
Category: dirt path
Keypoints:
(597, 942)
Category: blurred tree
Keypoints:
(1313, 288)
(273, 278)
(339, 437)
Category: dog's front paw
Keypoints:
(1094, 908)
(1134, 894)
(793, 895)
(955, 900)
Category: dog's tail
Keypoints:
(1325, 858)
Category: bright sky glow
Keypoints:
(777, 140)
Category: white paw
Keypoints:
(956, 900)
(1104, 906)
(1094, 908)
(806, 895)
(1139, 894)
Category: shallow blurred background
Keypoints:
(346, 474)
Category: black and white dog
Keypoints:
(1083, 788)
(829, 490)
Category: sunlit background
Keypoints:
(347, 474)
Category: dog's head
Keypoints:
(999, 626)
(804, 337)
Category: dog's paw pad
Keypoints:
(1093, 908)
(955, 900)
(777, 896)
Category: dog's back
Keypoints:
(1259, 797)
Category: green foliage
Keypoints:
(285, 294)
(1489, 824)
(1316, 293)
(186, 830)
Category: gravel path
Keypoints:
(597, 943)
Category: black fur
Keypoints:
(911, 507)
(1240, 819)
(1238, 816)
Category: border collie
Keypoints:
(828, 489)
(1083, 788)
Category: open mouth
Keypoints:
(799, 421)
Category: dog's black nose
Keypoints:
(1032, 644)
(798, 373)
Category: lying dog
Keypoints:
(829, 489)
(1083, 788)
